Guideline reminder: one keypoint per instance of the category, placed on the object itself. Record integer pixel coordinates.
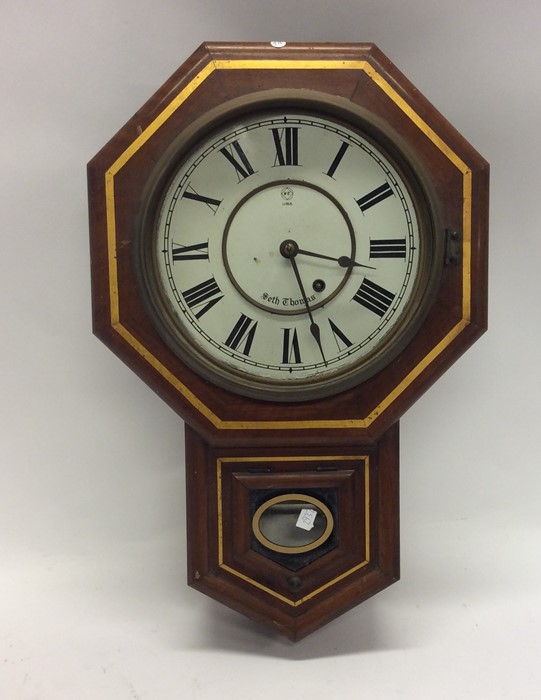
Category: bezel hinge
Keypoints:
(453, 247)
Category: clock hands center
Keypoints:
(289, 250)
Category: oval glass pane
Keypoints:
(292, 523)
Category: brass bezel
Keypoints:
(303, 498)
(369, 128)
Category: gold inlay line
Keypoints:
(166, 374)
(293, 64)
(111, 249)
(295, 458)
(162, 117)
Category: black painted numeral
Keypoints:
(388, 248)
(197, 251)
(238, 159)
(337, 159)
(375, 197)
(340, 338)
(212, 204)
(290, 347)
(373, 297)
(203, 296)
(242, 335)
(286, 142)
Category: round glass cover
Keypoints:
(292, 523)
(287, 257)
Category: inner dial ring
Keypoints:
(259, 224)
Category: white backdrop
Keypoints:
(93, 601)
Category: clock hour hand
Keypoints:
(289, 249)
(343, 260)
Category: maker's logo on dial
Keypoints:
(287, 193)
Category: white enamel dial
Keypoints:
(288, 256)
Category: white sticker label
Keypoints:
(306, 518)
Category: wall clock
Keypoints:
(289, 245)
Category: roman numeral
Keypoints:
(242, 335)
(375, 197)
(212, 204)
(237, 157)
(204, 295)
(337, 159)
(388, 248)
(286, 142)
(340, 338)
(373, 297)
(198, 251)
(290, 347)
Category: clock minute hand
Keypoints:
(343, 260)
(289, 250)
(314, 328)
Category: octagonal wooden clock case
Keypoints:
(289, 245)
